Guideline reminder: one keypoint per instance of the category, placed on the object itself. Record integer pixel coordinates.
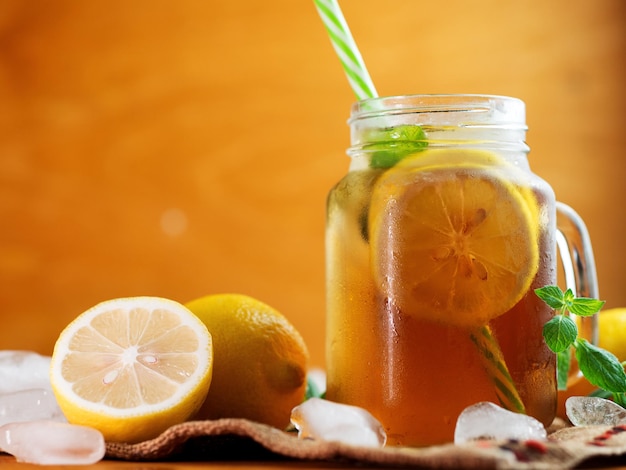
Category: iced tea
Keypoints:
(432, 241)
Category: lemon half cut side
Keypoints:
(464, 248)
(132, 367)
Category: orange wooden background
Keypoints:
(152, 147)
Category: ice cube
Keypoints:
(23, 370)
(52, 443)
(485, 420)
(325, 420)
(29, 405)
(589, 411)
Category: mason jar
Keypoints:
(436, 239)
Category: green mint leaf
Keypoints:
(598, 392)
(600, 367)
(620, 399)
(392, 144)
(560, 332)
(563, 361)
(585, 307)
(551, 295)
(568, 298)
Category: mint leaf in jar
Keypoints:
(390, 145)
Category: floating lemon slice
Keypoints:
(463, 249)
(132, 367)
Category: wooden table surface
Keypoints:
(8, 462)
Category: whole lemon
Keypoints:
(260, 360)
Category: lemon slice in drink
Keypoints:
(132, 367)
(463, 249)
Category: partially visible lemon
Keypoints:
(465, 245)
(612, 331)
(260, 360)
(132, 367)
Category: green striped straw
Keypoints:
(495, 367)
(363, 87)
(346, 49)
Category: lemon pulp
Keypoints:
(462, 248)
(132, 367)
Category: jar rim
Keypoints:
(459, 108)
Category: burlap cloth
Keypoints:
(242, 440)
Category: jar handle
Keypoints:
(579, 268)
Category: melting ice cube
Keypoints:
(23, 370)
(325, 420)
(486, 420)
(29, 405)
(589, 411)
(52, 443)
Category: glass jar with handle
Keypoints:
(436, 239)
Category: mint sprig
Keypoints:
(392, 144)
(600, 367)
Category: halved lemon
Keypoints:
(132, 367)
(453, 239)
